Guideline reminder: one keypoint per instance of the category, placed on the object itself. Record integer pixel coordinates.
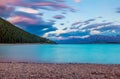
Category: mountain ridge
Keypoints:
(93, 39)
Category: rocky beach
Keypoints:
(21, 70)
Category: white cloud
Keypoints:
(28, 10)
(98, 27)
(94, 32)
(86, 36)
(113, 31)
(45, 29)
(59, 31)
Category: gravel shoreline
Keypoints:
(14, 70)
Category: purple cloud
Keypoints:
(59, 17)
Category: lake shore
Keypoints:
(23, 70)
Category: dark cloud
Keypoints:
(76, 23)
(65, 28)
(100, 17)
(118, 10)
(7, 7)
(5, 11)
(52, 35)
(62, 24)
(74, 27)
(96, 25)
(64, 13)
(88, 21)
(41, 14)
(50, 20)
(49, 4)
(84, 22)
(59, 17)
(111, 27)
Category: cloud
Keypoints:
(77, 1)
(91, 26)
(103, 29)
(76, 23)
(27, 10)
(89, 35)
(94, 32)
(56, 32)
(21, 19)
(59, 17)
(107, 28)
(18, 13)
(111, 27)
(53, 4)
(32, 24)
(66, 33)
(88, 21)
(10, 2)
(26, 13)
(118, 10)
(6, 11)
(71, 37)
(8, 7)
(84, 22)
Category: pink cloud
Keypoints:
(28, 10)
(55, 5)
(18, 19)
(77, 0)
(10, 5)
(5, 2)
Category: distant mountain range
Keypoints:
(101, 39)
(12, 34)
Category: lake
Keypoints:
(62, 53)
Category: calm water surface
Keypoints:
(71, 53)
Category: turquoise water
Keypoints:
(71, 53)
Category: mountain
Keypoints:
(93, 39)
(12, 34)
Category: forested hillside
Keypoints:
(12, 34)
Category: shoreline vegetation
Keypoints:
(29, 70)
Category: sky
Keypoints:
(64, 19)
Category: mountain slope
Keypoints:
(93, 39)
(12, 34)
